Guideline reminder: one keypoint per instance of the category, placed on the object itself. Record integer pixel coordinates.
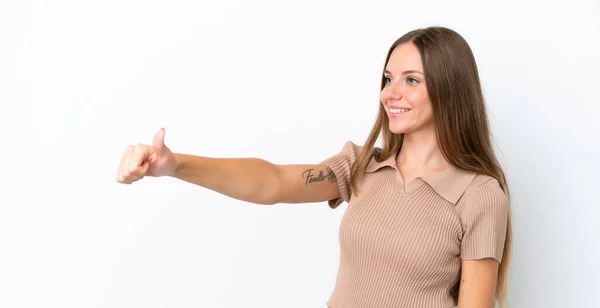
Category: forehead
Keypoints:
(404, 57)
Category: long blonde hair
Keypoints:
(461, 122)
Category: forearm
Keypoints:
(249, 179)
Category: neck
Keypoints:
(420, 152)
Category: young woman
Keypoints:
(428, 219)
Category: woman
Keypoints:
(428, 219)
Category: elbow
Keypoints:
(271, 192)
(271, 195)
(266, 200)
(268, 195)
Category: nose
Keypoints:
(392, 91)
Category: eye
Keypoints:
(387, 79)
(411, 81)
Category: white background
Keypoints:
(287, 81)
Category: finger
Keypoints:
(138, 155)
(127, 162)
(139, 171)
(136, 174)
(145, 167)
(159, 140)
(121, 178)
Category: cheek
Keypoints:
(427, 111)
(382, 95)
(421, 102)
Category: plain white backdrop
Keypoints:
(287, 81)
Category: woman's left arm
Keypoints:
(484, 215)
(478, 283)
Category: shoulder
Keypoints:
(483, 183)
(351, 147)
(484, 216)
(484, 194)
(349, 151)
(341, 165)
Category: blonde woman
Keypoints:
(428, 219)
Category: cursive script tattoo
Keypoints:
(311, 177)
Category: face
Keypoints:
(404, 95)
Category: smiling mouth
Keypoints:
(396, 111)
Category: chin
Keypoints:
(398, 129)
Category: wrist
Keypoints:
(179, 164)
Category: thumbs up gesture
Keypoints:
(143, 160)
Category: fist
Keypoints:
(143, 160)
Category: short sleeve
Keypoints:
(341, 164)
(484, 217)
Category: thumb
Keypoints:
(159, 140)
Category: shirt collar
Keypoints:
(450, 183)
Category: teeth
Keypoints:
(399, 110)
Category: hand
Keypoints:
(143, 160)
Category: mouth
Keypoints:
(394, 112)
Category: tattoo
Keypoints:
(331, 175)
(310, 177)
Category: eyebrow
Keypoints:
(405, 72)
